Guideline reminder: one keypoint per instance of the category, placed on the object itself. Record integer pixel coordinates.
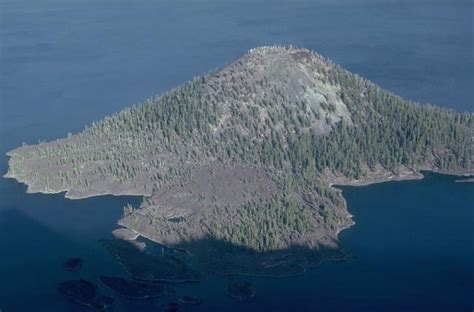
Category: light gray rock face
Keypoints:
(276, 81)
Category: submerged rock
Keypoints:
(134, 290)
(171, 307)
(189, 300)
(146, 266)
(85, 293)
(243, 291)
(81, 291)
(73, 264)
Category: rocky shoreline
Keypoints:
(379, 175)
(468, 180)
(405, 174)
(249, 157)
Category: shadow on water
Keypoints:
(32, 263)
(20, 272)
(408, 238)
(225, 258)
(142, 257)
(219, 273)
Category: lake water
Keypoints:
(64, 64)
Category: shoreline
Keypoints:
(467, 180)
(380, 176)
(407, 175)
(67, 193)
(304, 269)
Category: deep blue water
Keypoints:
(64, 64)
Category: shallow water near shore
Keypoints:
(412, 244)
(65, 64)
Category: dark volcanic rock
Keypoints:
(149, 267)
(85, 293)
(134, 290)
(243, 291)
(189, 300)
(80, 291)
(73, 264)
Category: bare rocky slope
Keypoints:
(247, 155)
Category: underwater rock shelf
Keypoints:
(242, 291)
(145, 266)
(85, 293)
(189, 300)
(134, 290)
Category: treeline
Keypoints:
(220, 118)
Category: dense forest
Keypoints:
(287, 110)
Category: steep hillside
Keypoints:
(246, 155)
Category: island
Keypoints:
(73, 264)
(132, 289)
(85, 293)
(146, 266)
(237, 166)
